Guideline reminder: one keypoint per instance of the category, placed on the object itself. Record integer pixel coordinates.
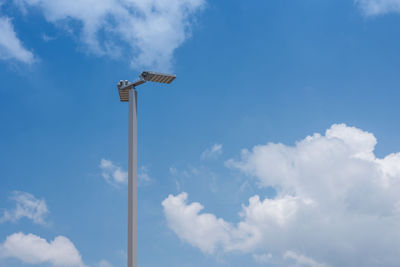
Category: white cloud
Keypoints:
(378, 7)
(11, 47)
(204, 231)
(153, 29)
(262, 258)
(207, 232)
(26, 206)
(301, 260)
(113, 173)
(337, 204)
(33, 249)
(212, 152)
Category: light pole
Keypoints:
(127, 93)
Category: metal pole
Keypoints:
(132, 180)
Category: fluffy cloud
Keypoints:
(337, 204)
(204, 231)
(212, 152)
(153, 29)
(26, 206)
(378, 7)
(33, 249)
(11, 47)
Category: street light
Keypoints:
(127, 93)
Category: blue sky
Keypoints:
(277, 144)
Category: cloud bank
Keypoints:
(337, 204)
(147, 32)
(152, 29)
(11, 47)
(26, 206)
(33, 249)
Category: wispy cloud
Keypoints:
(262, 258)
(48, 38)
(113, 173)
(378, 7)
(32, 249)
(26, 206)
(11, 47)
(331, 191)
(183, 177)
(151, 29)
(104, 263)
(144, 176)
(301, 260)
(212, 152)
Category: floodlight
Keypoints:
(124, 86)
(123, 89)
(146, 76)
(157, 77)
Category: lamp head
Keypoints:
(146, 76)
(152, 76)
